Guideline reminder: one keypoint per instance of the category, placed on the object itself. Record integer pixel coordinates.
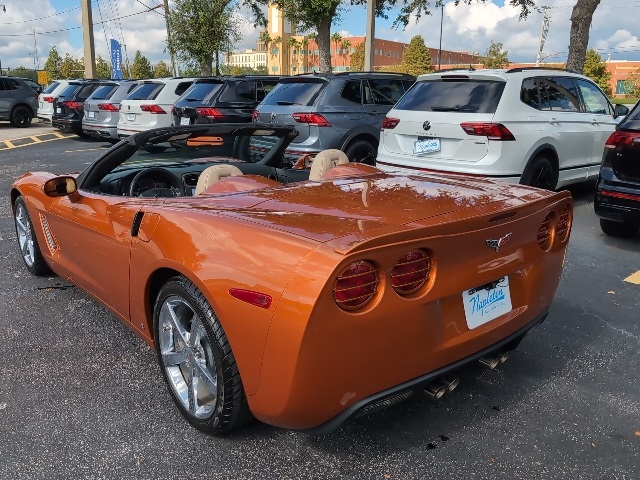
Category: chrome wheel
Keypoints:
(187, 357)
(25, 237)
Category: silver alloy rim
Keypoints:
(187, 357)
(25, 240)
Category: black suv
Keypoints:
(68, 107)
(334, 110)
(222, 99)
(18, 100)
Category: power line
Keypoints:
(40, 18)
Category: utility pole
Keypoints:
(543, 34)
(440, 47)
(169, 46)
(369, 40)
(87, 39)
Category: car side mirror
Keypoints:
(620, 110)
(60, 186)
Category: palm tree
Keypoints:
(305, 44)
(336, 37)
(345, 49)
(313, 36)
(278, 41)
(265, 38)
(293, 44)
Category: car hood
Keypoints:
(348, 211)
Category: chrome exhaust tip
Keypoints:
(491, 362)
(450, 382)
(504, 356)
(435, 390)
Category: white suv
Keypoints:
(539, 127)
(45, 100)
(149, 105)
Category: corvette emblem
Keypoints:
(496, 244)
(426, 125)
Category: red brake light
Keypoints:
(411, 272)
(493, 131)
(48, 99)
(209, 112)
(110, 107)
(389, 123)
(255, 115)
(626, 139)
(545, 232)
(152, 108)
(72, 104)
(356, 285)
(311, 119)
(563, 227)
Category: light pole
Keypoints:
(440, 47)
(4, 9)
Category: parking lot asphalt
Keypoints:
(82, 397)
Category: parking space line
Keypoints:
(633, 278)
(8, 144)
(32, 140)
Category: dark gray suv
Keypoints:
(18, 100)
(334, 110)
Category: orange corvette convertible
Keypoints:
(279, 292)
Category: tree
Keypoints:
(596, 69)
(357, 58)
(201, 29)
(416, 59)
(335, 38)
(632, 84)
(495, 56)
(141, 67)
(265, 38)
(70, 67)
(304, 43)
(292, 43)
(103, 69)
(278, 43)
(313, 37)
(581, 17)
(161, 70)
(344, 46)
(53, 62)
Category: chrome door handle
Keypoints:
(553, 120)
(594, 122)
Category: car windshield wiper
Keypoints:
(192, 99)
(286, 102)
(438, 108)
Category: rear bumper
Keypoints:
(405, 390)
(618, 203)
(406, 170)
(100, 131)
(67, 125)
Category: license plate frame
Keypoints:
(426, 145)
(486, 302)
(59, 110)
(91, 114)
(185, 121)
(131, 117)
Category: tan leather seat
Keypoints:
(211, 175)
(325, 160)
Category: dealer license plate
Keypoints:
(426, 145)
(483, 304)
(131, 117)
(91, 114)
(184, 120)
(58, 110)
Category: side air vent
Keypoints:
(51, 241)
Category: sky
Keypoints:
(471, 28)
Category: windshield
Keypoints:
(146, 91)
(294, 93)
(104, 92)
(52, 87)
(201, 91)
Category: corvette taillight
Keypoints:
(493, 131)
(311, 119)
(411, 272)
(152, 108)
(109, 107)
(545, 232)
(389, 123)
(563, 227)
(356, 285)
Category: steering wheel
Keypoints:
(155, 182)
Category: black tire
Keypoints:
(540, 173)
(618, 229)
(21, 116)
(27, 241)
(180, 313)
(362, 151)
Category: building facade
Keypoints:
(249, 58)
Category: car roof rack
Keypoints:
(524, 69)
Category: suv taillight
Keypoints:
(48, 99)
(389, 123)
(209, 112)
(255, 115)
(109, 107)
(493, 131)
(152, 108)
(72, 104)
(626, 139)
(311, 119)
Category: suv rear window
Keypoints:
(146, 91)
(294, 93)
(200, 91)
(104, 92)
(69, 90)
(453, 95)
(52, 87)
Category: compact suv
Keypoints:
(149, 104)
(540, 127)
(45, 100)
(617, 197)
(68, 106)
(18, 100)
(340, 110)
(102, 109)
(222, 99)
